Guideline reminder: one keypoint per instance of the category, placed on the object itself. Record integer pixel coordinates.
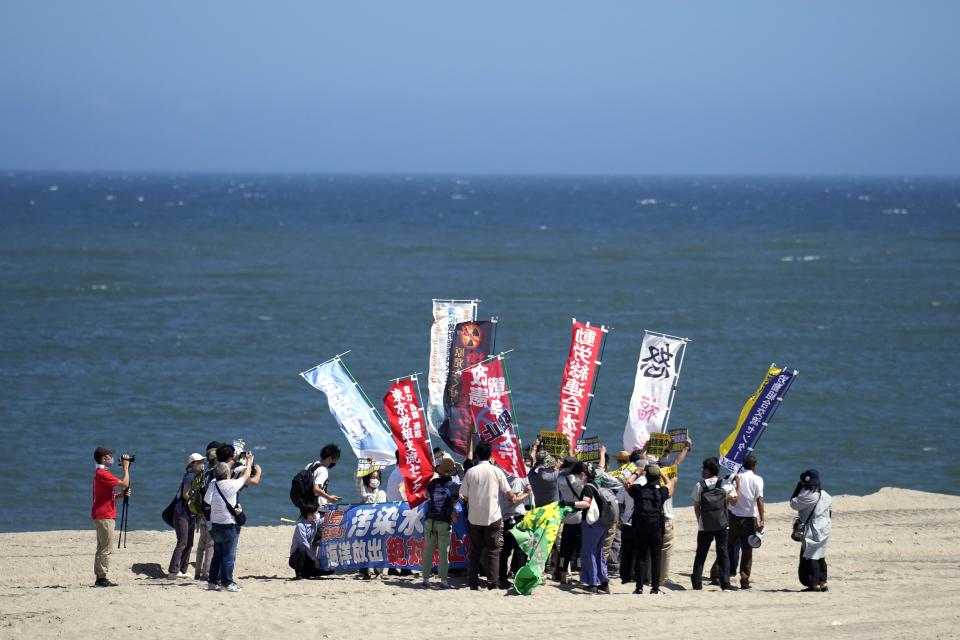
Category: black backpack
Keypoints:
(713, 507)
(647, 505)
(301, 488)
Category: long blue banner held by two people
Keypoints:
(387, 535)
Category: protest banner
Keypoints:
(588, 449)
(446, 315)
(406, 423)
(535, 535)
(579, 378)
(363, 428)
(555, 443)
(678, 438)
(668, 472)
(658, 370)
(490, 405)
(472, 343)
(623, 473)
(659, 444)
(386, 535)
(755, 416)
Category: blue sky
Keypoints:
(494, 87)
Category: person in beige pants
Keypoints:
(104, 510)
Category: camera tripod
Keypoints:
(123, 519)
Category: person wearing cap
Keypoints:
(184, 521)
(814, 507)
(569, 487)
(441, 502)
(647, 522)
(104, 510)
(205, 543)
(746, 519)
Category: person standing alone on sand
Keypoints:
(814, 508)
(104, 511)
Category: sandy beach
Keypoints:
(893, 559)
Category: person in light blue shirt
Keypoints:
(303, 548)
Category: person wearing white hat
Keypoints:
(184, 521)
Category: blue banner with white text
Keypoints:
(387, 535)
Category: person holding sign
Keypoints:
(647, 523)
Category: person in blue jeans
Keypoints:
(442, 496)
(222, 497)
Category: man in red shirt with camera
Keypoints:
(104, 511)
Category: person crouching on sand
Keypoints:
(303, 548)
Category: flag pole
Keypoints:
(676, 380)
(383, 423)
(498, 356)
(513, 405)
(603, 345)
(423, 410)
(336, 357)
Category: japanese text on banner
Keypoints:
(490, 406)
(579, 375)
(406, 424)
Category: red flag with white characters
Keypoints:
(490, 406)
(410, 434)
(579, 376)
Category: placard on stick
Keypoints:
(659, 444)
(678, 439)
(555, 443)
(588, 449)
(668, 472)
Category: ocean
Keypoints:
(153, 313)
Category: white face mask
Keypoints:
(374, 483)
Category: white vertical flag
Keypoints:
(446, 315)
(657, 372)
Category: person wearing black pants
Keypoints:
(647, 524)
(712, 519)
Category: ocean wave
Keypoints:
(799, 258)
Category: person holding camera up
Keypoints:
(104, 511)
(225, 518)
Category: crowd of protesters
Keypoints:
(619, 524)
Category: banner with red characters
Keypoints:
(410, 434)
(579, 377)
(486, 384)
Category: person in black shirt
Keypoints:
(647, 523)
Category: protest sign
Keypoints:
(588, 449)
(658, 444)
(678, 438)
(555, 443)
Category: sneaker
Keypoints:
(213, 586)
(728, 587)
(182, 575)
(592, 589)
(638, 590)
(233, 587)
(426, 583)
(656, 592)
(103, 582)
(714, 582)
(604, 588)
(172, 575)
(445, 585)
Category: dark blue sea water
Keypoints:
(154, 313)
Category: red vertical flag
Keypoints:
(406, 425)
(579, 376)
(490, 405)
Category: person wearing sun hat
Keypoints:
(184, 521)
(441, 501)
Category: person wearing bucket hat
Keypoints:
(814, 509)
(184, 521)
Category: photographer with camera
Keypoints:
(104, 511)
(226, 514)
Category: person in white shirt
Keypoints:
(222, 497)
(746, 518)
(321, 474)
(482, 485)
(712, 520)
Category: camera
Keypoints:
(128, 456)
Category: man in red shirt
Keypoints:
(104, 511)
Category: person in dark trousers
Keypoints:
(648, 525)
(482, 485)
(184, 521)
(710, 502)
(303, 548)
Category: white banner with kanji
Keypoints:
(657, 372)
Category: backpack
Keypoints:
(301, 488)
(647, 505)
(713, 507)
(609, 509)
